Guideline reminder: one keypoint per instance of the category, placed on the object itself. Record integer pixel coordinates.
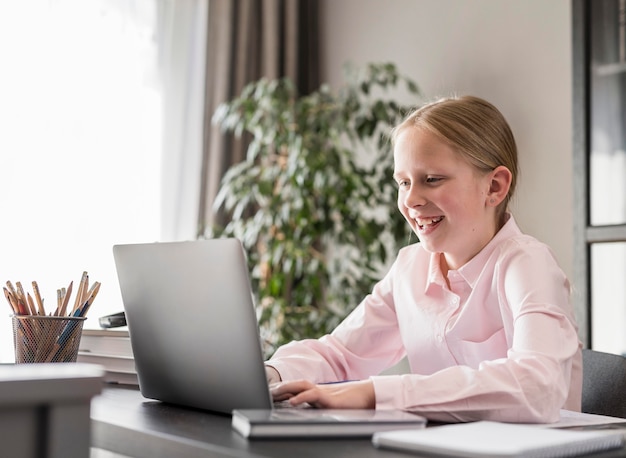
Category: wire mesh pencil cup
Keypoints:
(46, 339)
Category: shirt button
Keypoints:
(440, 338)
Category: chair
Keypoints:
(604, 383)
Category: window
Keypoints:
(86, 88)
(600, 175)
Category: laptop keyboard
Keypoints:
(287, 405)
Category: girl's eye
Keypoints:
(402, 183)
(433, 180)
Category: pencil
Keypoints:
(85, 308)
(85, 289)
(21, 299)
(9, 298)
(91, 291)
(59, 301)
(20, 290)
(31, 304)
(66, 299)
(11, 288)
(79, 293)
(14, 299)
(22, 309)
(40, 307)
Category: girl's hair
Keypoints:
(475, 129)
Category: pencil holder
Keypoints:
(46, 339)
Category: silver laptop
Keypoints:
(192, 324)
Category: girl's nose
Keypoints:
(414, 198)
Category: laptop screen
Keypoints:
(192, 323)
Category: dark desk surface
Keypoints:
(125, 422)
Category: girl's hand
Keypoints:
(343, 395)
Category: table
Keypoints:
(126, 423)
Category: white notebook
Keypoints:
(492, 439)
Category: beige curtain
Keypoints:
(247, 40)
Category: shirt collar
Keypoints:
(472, 269)
(435, 276)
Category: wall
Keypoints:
(516, 54)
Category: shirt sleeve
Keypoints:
(365, 343)
(533, 382)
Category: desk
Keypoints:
(126, 423)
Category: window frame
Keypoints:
(585, 235)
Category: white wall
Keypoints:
(514, 53)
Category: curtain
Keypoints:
(248, 40)
(181, 39)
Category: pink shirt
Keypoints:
(500, 343)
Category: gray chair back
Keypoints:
(604, 383)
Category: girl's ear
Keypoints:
(499, 185)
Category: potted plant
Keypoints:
(314, 202)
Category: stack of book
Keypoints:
(111, 349)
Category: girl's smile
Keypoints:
(427, 225)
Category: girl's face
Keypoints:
(447, 202)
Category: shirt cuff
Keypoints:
(386, 390)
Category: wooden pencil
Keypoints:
(31, 304)
(87, 304)
(79, 293)
(66, 299)
(86, 290)
(21, 297)
(11, 288)
(59, 301)
(14, 297)
(9, 298)
(40, 307)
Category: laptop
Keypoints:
(192, 324)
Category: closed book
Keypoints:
(111, 342)
(309, 422)
(112, 349)
(484, 439)
(111, 363)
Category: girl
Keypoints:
(480, 310)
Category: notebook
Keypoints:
(282, 423)
(484, 439)
(192, 324)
